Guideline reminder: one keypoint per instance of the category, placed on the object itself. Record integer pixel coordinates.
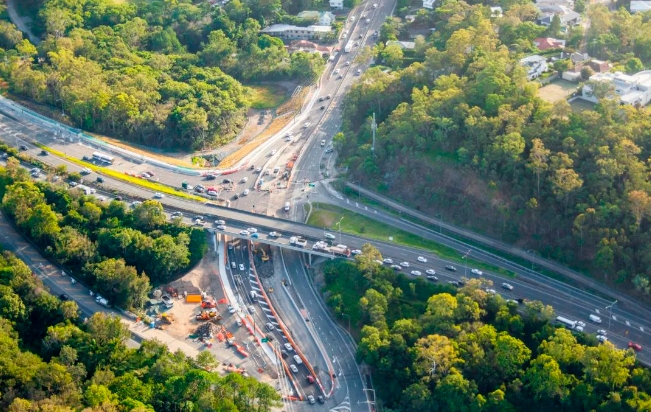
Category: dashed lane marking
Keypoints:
(628, 323)
(641, 328)
(597, 310)
(614, 317)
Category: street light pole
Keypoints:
(610, 314)
(339, 224)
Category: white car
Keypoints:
(241, 266)
(101, 198)
(580, 323)
(306, 125)
(507, 286)
(337, 71)
(579, 328)
(252, 309)
(231, 309)
(356, 252)
(274, 234)
(252, 230)
(273, 152)
(220, 222)
(477, 272)
(289, 346)
(198, 222)
(388, 261)
(430, 272)
(404, 264)
(158, 195)
(602, 338)
(416, 273)
(258, 169)
(491, 291)
(396, 267)
(422, 259)
(245, 192)
(601, 332)
(244, 232)
(347, 64)
(293, 368)
(221, 227)
(329, 236)
(432, 278)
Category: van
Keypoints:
(286, 206)
(595, 318)
(298, 359)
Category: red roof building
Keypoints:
(544, 43)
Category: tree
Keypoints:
(554, 29)
(607, 364)
(640, 204)
(538, 156)
(20, 199)
(440, 313)
(149, 215)
(545, 380)
(510, 356)
(634, 65)
(435, 357)
(392, 56)
(119, 283)
(455, 394)
(43, 224)
(367, 261)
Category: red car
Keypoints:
(310, 378)
(636, 346)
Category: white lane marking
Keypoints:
(628, 323)
(597, 310)
(641, 328)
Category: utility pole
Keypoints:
(373, 129)
(610, 314)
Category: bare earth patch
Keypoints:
(557, 90)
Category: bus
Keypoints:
(570, 324)
(102, 157)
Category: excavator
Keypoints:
(208, 315)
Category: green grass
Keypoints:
(267, 96)
(158, 187)
(327, 216)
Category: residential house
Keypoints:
(597, 66)
(632, 89)
(404, 45)
(308, 46)
(640, 6)
(535, 65)
(323, 18)
(337, 4)
(410, 18)
(565, 3)
(545, 43)
(567, 16)
(429, 4)
(291, 32)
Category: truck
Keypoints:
(348, 47)
(339, 251)
(298, 241)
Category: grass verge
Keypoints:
(158, 187)
(327, 216)
(267, 96)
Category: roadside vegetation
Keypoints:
(267, 96)
(117, 252)
(436, 348)
(54, 361)
(464, 133)
(155, 73)
(328, 216)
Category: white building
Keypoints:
(632, 89)
(428, 4)
(404, 45)
(337, 4)
(290, 32)
(535, 65)
(323, 18)
(497, 11)
(640, 6)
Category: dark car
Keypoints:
(118, 198)
(284, 353)
(227, 181)
(44, 153)
(320, 399)
(236, 197)
(23, 147)
(100, 179)
(322, 107)
(64, 297)
(211, 177)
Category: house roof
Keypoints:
(308, 45)
(544, 43)
(640, 6)
(403, 44)
(276, 28)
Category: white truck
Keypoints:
(348, 47)
(298, 241)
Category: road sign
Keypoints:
(264, 340)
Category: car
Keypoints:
(450, 268)
(358, 72)
(244, 232)
(199, 189)
(288, 346)
(388, 261)
(347, 64)
(416, 273)
(23, 147)
(595, 319)
(306, 125)
(340, 77)
(274, 234)
(152, 174)
(430, 272)
(320, 399)
(432, 278)
(368, 21)
(343, 36)
(270, 327)
(64, 297)
(44, 153)
(5, 155)
(92, 191)
(241, 266)
(220, 222)
(422, 259)
(375, 5)
(167, 301)
(236, 196)
(234, 265)
(321, 99)
(580, 323)
(158, 195)
(322, 107)
(507, 286)
(231, 309)
(310, 379)
(100, 179)
(396, 267)
(86, 171)
(251, 309)
(293, 368)
(337, 71)
(453, 282)
(477, 272)
(198, 222)
(356, 44)
(602, 338)
(356, 252)
(311, 399)
(601, 332)
(199, 217)
(284, 354)
(328, 97)
(635, 346)
(404, 264)
(330, 150)
(491, 291)
(101, 198)
(221, 227)
(329, 236)
(579, 328)
(252, 230)
(211, 177)
(273, 152)
(245, 192)
(258, 170)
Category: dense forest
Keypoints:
(463, 134)
(160, 73)
(115, 250)
(437, 348)
(52, 361)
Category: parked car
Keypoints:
(252, 230)
(231, 309)
(311, 399)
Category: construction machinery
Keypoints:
(208, 304)
(208, 315)
(167, 318)
(265, 258)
